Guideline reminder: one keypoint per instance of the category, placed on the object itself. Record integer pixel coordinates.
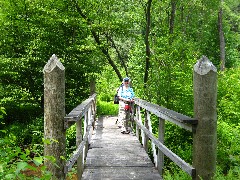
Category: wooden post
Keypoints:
(86, 120)
(146, 138)
(90, 116)
(54, 112)
(93, 110)
(138, 114)
(205, 137)
(160, 155)
(78, 141)
(152, 143)
(140, 121)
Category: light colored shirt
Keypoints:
(126, 93)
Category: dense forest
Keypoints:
(155, 43)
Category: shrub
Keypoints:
(107, 108)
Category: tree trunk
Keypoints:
(221, 38)
(148, 52)
(92, 86)
(172, 18)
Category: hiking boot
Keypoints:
(125, 132)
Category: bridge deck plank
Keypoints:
(113, 155)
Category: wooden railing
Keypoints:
(146, 132)
(86, 111)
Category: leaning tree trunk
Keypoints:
(172, 18)
(221, 38)
(148, 52)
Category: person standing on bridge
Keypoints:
(126, 96)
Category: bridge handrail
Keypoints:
(181, 120)
(146, 129)
(78, 112)
(86, 109)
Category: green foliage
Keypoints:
(26, 134)
(106, 108)
(179, 141)
(175, 174)
(180, 175)
(2, 113)
(231, 29)
(228, 96)
(71, 139)
(15, 160)
(228, 148)
(30, 33)
(228, 124)
(107, 86)
(232, 174)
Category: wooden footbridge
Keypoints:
(113, 155)
(104, 153)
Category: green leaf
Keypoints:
(51, 158)
(10, 176)
(27, 151)
(46, 141)
(23, 157)
(38, 160)
(62, 157)
(21, 166)
(1, 168)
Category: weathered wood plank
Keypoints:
(113, 155)
(119, 161)
(120, 173)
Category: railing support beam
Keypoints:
(146, 138)
(160, 155)
(80, 165)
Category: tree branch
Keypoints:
(97, 40)
(118, 53)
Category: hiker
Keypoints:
(126, 96)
